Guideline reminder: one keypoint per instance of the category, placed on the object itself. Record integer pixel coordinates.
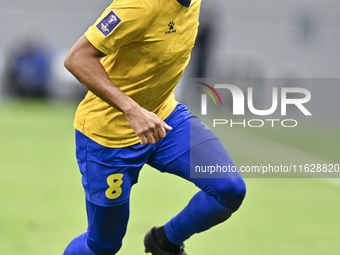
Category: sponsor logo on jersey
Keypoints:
(108, 23)
(172, 29)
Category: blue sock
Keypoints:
(78, 246)
(106, 229)
(202, 213)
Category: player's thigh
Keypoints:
(191, 136)
(109, 173)
(187, 132)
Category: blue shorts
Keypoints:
(109, 173)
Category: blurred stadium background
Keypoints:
(41, 198)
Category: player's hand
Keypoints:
(149, 128)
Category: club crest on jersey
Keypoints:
(172, 29)
(108, 23)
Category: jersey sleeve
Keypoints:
(121, 23)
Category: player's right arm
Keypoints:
(83, 62)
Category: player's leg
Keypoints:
(106, 229)
(218, 198)
(107, 175)
(215, 203)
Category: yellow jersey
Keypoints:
(147, 45)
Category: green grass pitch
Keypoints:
(42, 201)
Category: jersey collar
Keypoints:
(184, 3)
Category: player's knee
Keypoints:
(239, 191)
(107, 249)
(231, 193)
